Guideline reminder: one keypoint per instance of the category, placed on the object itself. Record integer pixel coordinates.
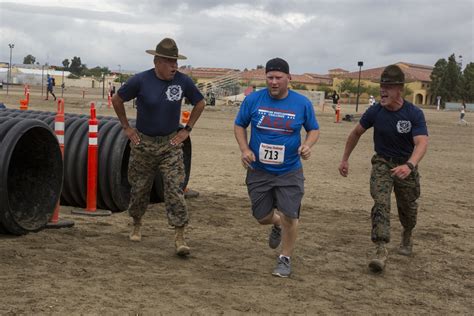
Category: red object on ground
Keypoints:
(185, 117)
(59, 128)
(92, 161)
(338, 113)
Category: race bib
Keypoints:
(271, 154)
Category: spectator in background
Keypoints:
(462, 109)
(371, 100)
(49, 87)
(335, 99)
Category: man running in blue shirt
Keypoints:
(272, 158)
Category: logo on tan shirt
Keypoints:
(174, 93)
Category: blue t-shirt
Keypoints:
(159, 101)
(50, 83)
(275, 129)
(394, 130)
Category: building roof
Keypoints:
(259, 74)
(413, 72)
(323, 79)
(338, 70)
(205, 72)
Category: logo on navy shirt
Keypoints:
(174, 93)
(404, 127)
(275, 120)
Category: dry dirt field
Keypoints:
(93, 268)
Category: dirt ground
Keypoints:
(93, 268)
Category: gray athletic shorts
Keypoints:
(267, 191)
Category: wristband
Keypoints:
(188, 128)
(410, 165)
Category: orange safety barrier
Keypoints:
(338, 113)
(185, 117)
(92, 162)
(92, 166)
(24, 104)
(59, 125)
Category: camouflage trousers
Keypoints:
(150, 155)
(407, 191)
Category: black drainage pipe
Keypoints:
(31, 174)
(113, 189)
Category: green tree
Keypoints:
(76, 66)
(66, 63)
(348, 86)
(299, 86)
(326, 89)
(96, 71)
(124, 77)
(451, 80)
(29, 59)
(436, 77)
(406, 91)
(467, 83)
(373, 90)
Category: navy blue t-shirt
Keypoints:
(394, 130)
(159, 101)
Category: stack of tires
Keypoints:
(113, 190)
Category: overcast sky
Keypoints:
(312, 35)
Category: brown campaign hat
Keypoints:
(392, 74)
(166, 48)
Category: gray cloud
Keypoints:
(313, 36)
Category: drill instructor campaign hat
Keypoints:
(392, 74)
(166, 48)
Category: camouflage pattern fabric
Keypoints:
(145, 159)
(407, 191)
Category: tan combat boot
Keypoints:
(181, 248)
(406, 244)
(377, 264)
(136, 235)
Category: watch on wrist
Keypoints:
(188, 128)
(410, 165)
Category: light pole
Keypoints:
(120, 74)
(42, 80)
(10, 67)
(360, 64)
(62, 85)
(103, 85)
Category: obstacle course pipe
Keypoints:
(113, 188)
(31, 174)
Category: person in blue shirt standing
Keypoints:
(156, 143)
(272, 157)
(400, 142)
(49, 87)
